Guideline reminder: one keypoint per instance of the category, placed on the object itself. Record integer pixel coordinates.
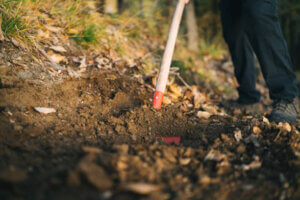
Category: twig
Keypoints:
(185, 83)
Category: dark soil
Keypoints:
(103, 137)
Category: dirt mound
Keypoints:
(102, 142)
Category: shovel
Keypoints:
(167, 57)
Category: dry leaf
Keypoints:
(43, 35)
(53, 29)
(174, 88)
(141, 188)
(44, 110)
(167, 100)
(57, 57)
(58, 49)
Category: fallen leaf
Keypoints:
(141, 188)
(44, 110)
(174, 88)
(167, 100)
(59, 49)
(57, 58)
(53, 28)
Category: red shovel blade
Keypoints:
(171, 140)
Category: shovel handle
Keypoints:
(167, 57)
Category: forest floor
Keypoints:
(104, 140)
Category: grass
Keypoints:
(127, 34)
(87, 35)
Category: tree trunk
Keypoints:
(111, 6)
(192, 29)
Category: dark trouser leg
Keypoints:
(241, 51)
(267, 40)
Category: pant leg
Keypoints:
(241, 51)
(266, 38)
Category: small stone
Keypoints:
(238, 135)
(203, 114)
(256, 130)
(285, 126)
(265, 120)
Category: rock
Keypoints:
(44, 110)
(95, 175)
(265, 120)
(285, 126)
(238, 135)
(203, 114)
(141, 188)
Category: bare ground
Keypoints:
(102, 143)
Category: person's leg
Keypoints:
(266, 38)
(241, 52)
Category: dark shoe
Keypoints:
(284, 111)
(236, 104)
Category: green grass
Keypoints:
(11, 26)
(88, 35)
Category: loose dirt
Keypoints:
(104, 142)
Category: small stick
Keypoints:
(167, 57)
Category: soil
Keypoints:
(103, 143)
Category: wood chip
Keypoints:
(141, 188)
(44, 110)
